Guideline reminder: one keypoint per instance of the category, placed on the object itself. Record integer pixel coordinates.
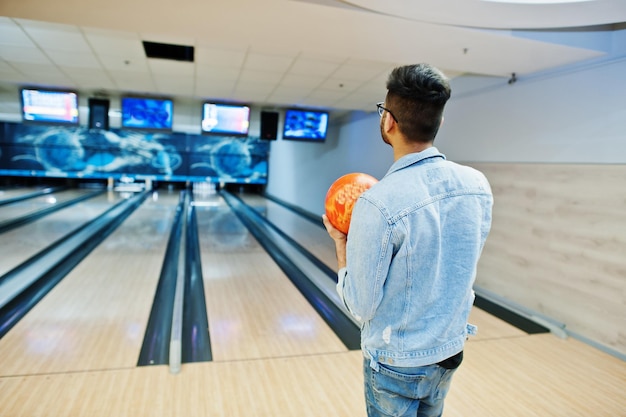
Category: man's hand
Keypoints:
(340, 239)
(334, 233)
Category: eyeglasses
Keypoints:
(382, 109)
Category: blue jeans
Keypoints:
(400, 392)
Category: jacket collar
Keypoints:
(415, 158)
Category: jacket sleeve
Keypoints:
(369, 252)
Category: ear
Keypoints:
(389, 123)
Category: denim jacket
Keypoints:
(414, 242)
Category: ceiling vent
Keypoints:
(168, 51)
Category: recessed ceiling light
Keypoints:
(168, 51)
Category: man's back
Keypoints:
(407, 267)
(413, 290)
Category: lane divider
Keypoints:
(177, 330)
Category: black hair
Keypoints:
(416, 96)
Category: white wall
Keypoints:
(574, 114)
(569, 117)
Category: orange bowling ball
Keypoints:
(342, 196)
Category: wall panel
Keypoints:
(78, 152)
(558, 245)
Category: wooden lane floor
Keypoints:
(96, 316)
(506, 372)
(304, 386)
(537, 375)
(21, 208)
(254, 310)
(10, 192)
(19, 244)
(532, 375)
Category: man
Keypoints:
(407, 267)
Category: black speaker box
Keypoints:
(98, 113)
(269, 125)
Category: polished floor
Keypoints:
(75, 353)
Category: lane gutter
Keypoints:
(178, 330)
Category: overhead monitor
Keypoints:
(225, 119)
(147, 113)
(49, 106)
(311, 125)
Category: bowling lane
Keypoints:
(254, 310)
(19, 244)
(24, 207)
(96, 317)
(10, 192)
(311, 236)
(316, 240)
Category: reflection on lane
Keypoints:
(19, 244)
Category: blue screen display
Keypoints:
(305, 125)
(147, 113)
(47, 106)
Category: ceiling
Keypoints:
(329, 54)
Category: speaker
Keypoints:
(98, 113)
(269, 125)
